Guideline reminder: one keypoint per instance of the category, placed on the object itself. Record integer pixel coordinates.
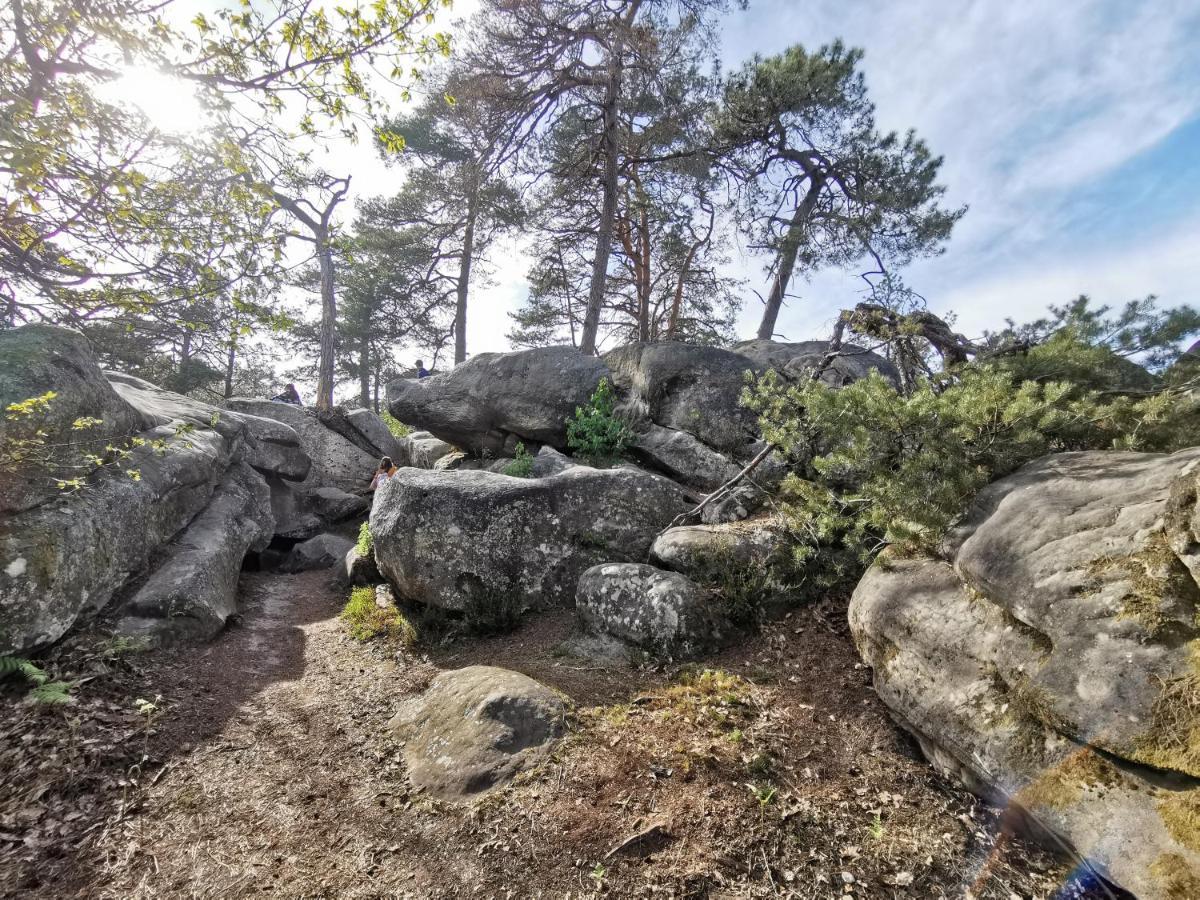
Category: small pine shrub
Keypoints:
(596, 433)
(394, 425)
(875, 467)
(366, 543)
(522, 464)
(367, 621)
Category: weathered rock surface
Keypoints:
(40, 358)
(663, 613)
(320, 552)
(682, 457)
(549, 461)
(493, 398)
(797, 360)
(425, 449)
(688, 388)
(1054, 655)
(375, 431)
(492, 545)
(68, 556)
(704, 552)
(193, 593)
(336, 462)
(176, 517)
(476, 728)
(359, 568)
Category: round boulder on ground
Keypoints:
(662, 613)
(476, 728)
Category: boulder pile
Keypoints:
(121, 496)
(475, 540)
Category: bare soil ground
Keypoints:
(263, 766)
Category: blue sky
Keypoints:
(1071, 128)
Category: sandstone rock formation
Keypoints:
(493, 545)
(1051, 658)
(663, 613)
(198, 487)
(475, 728)
(495, 399)
(320, 552)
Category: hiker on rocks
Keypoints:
(385, 471)
(422, 372)
(289, 395)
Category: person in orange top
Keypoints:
(385, 471)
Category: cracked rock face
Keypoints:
(492, 545)
(1051, 658)
(476, 728)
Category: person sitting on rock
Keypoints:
(422, 372)
(385, 471)
(289, 395)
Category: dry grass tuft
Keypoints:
(1180, 812)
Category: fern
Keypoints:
(51, 693)
(17, 665)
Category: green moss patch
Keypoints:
(366, 620)
(1155, 575)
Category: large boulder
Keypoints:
(68, 555)
(492, 545)
(1052, 657)
(682, 457)
(320, 552)
(476, 728)
(181, 497)
(194, 591)
(425, 450)
(337, 462)
(714, 553)
(797, 360)
(689, 388)
(375, 432)
(662, 613)
(492, 399)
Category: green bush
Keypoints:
(365, 543)
(596, 433)
(366, 620)
(874, 468)
(522, 464)
(395, 426)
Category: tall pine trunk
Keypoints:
(364, 353)
(608, 208)
(464, 275)
(230, 360)
(786, 260)
(328, 323)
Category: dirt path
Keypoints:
(268, 769)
